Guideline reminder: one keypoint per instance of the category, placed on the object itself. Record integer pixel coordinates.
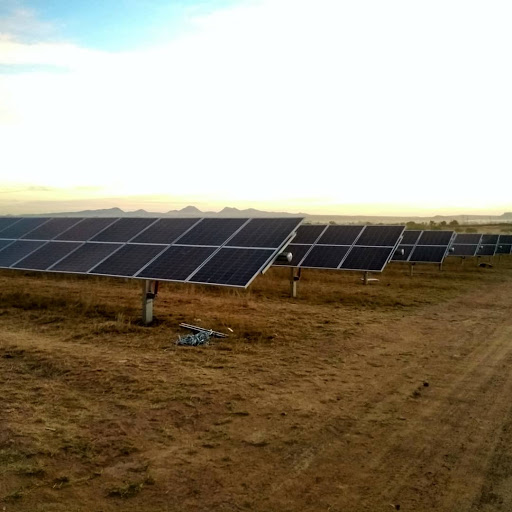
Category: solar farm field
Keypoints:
(393, 396)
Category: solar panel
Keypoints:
(467, 238)
(463, 249)
(435, 238)
(402, 253)
(16, 251)
(372, 259)
(165, 231)
(166, 249)
(344, 256)
(298, 252)
(211, 232)
(428, 254)
(22, 227)
(128, 260)
(177, 263)
(233, 267)
(325, 256)
(340, 235)
(51, 229)
(86, 229)
(489, 239)
(85, 257)
(46, 255)
(380, 236)
(264, 233)
(486, 250)
(5, 222)
(123, 230)
(308, 234)
(503, 248)
(505, 239)
(410, 237)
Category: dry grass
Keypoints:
(102, 413)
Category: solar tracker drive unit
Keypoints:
(429, 246)
(216, 251)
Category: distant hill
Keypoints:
(193, 211)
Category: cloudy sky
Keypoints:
(319, 106)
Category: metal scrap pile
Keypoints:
(194, 340)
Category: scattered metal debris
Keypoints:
(196, 328)
(194, 340)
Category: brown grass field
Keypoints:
(393, 396)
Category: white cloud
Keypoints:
(352, 102)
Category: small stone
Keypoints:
(426, 384)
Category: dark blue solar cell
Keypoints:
(211, 232)
(5, 222)
(123, 230)
(177, 263)
(86, 229)
(85, 257)
(308, 234)
(51, 229)
(22, 227)
(16, 251)
(380, 236)
(233, 267)
(505, 239)
(271, 233)
(435, 238)
(128, 260)
(298, 252)
(325, 256)
(367, 258)
(46, 255)
(340, 235)
(410, 237)
(428, 254)
(165, 231)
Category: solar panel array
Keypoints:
(476, 244)
(218, 251)
(429, 246)
(366, 248)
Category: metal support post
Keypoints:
(294, 279)
(365, 277)
(149, 292)
(411, 269)
(441, 266)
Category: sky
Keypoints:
(365, 107)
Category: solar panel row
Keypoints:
(228, 252)
(476, 244)
(366, 248)
(429, 246)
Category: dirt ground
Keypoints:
(393, 396)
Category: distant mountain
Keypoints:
(188, 211)
(193, 211)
